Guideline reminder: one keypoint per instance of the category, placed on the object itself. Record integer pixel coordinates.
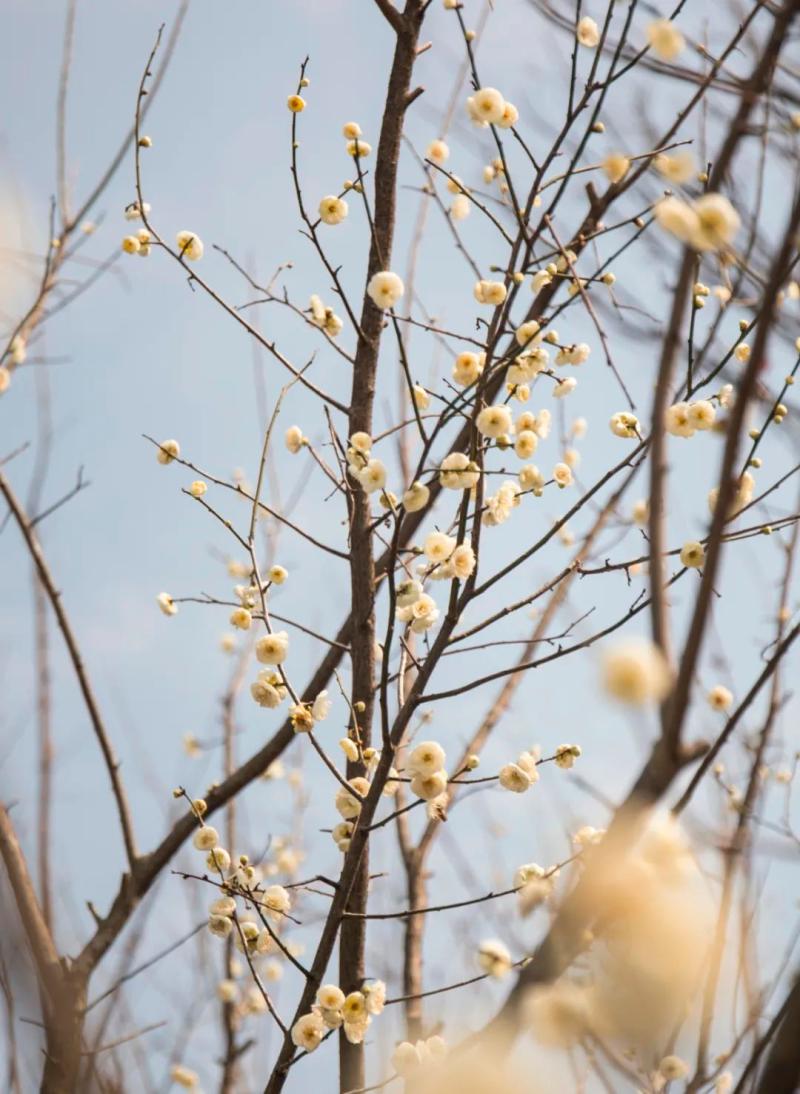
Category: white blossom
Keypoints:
(385, 289)
(189, 245)
(635, 671)
(494, 958)
(308, 1031)
(426, 759)
(486, 106)
(272, 649)
(332, 209)
(587, 32)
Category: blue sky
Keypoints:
(140, 353)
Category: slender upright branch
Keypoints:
(98, 725)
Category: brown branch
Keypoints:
(42, 658)
(781, 1073)
(98, 725)
(393, 16)
(63, 990)
(731, 724)
(733, 852)
(678, 701)
(43, 950)
(417, 856)
(12, 1067)
(61, 114)
(362, 563)
(658, 457)
(232, 1050)
(561, 943)
(58, 255)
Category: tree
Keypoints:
(641, 965)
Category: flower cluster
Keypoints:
(409, 1060)
(415, 607)
(252, 936)
(425, 765)
(450, 560)
(498, 506)
(493, 387)
(458, 472)
(304, 716)
(566, 755)
(138, 244)
(352, 1013)
(707, 224)
(358, 149)
(349, 798)
(624, 424)
(492, 293)
(369, 472)
(685, 419)
(520, 776)
(324, 317)
(488, 107)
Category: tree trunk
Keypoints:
(412, 945)
(64, 1038)
(362, 563)
(781, 1074)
